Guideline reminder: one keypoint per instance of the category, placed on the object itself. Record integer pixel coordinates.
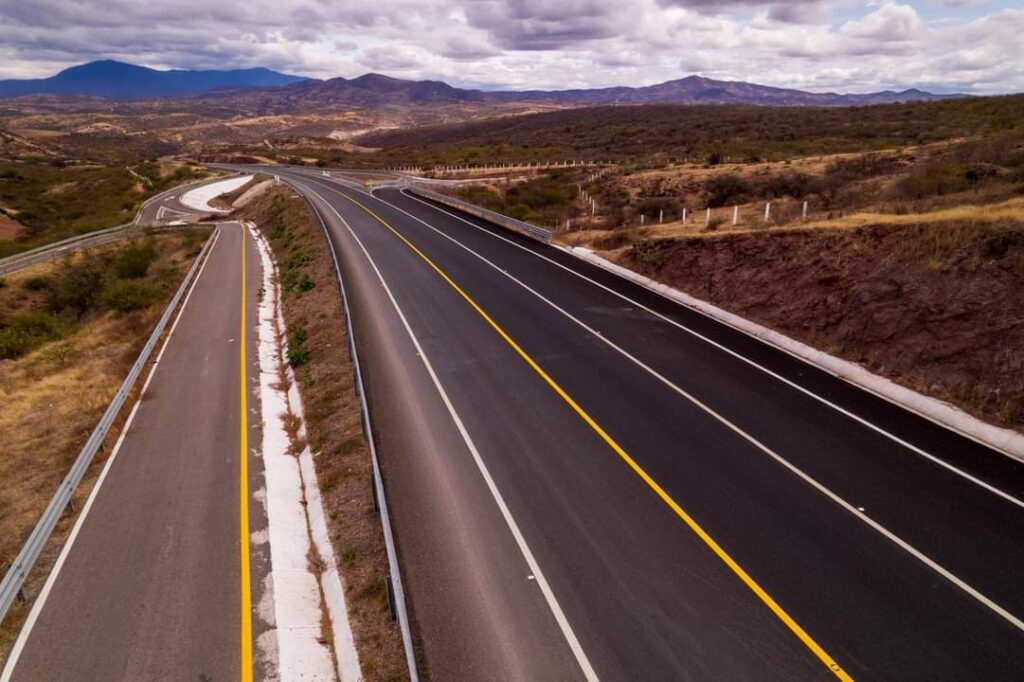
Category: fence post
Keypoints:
(805, 211)
(661, 216)
(684, 216)
(641, 219)
(735, 214)
(767, 210)
(707, 217)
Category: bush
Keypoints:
(724, 189)
(37, 283)
(134, 262)
(297, 353)
(125, 296)
(26, 332)
(76, 286)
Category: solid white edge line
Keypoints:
(860, 420)
(807, 478)
(40, 602)
(541, 580)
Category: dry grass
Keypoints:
(311, 303)
(53, 398)
(604, 240)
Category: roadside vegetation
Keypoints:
(317, 350)
(69, 332)
(655, 135)
(51, 199)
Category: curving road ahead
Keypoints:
(591, 482)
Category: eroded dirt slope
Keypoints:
(937, 307)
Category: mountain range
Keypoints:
(117, 80)
(271, 90)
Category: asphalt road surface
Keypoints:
(151, 586)
(589, 481)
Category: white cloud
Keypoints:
(815, 44)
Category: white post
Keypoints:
(593, 207)
(735, 214)
(661, 216)
(805, 210)
(707, 217)
(767, 210)
(641, 219)
(684, 216)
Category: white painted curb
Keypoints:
(1007, 441)
(297, 524)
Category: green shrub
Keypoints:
(26, 332)
(724, 189)
(296, 352)
(134, 261)
(76, 286)
(37, 283)
(124, 296)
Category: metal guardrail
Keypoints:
(48, 252)
(397, 590)
(16, 575)
(53, 251)
(486, 214)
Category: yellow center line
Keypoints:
(699, 531)
(243, 484)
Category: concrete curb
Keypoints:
(1006, 441)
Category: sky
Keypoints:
(972, 46)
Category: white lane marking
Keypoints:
(37, 607)
(499, 500)
(877, 429)
(807, 478)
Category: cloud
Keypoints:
(889, 22)
(814, 44)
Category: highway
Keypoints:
(591, 482)
(153, 583)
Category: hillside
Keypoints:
(674, 132)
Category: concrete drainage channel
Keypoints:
(296, 595)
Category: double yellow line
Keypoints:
(699, 531)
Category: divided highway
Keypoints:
(154, 583)
(591, 482)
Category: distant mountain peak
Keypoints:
(119, 80)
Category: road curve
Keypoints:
(696, 503)
(150, 586)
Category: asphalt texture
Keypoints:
(150, 589)
(894, 567)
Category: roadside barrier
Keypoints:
(486, 214)
(14, 580)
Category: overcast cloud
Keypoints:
(945, 45)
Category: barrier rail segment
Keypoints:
(396, 587)
(486, 214)
(88, 241)
(51, 251)
(47, 252)
(14, 579)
